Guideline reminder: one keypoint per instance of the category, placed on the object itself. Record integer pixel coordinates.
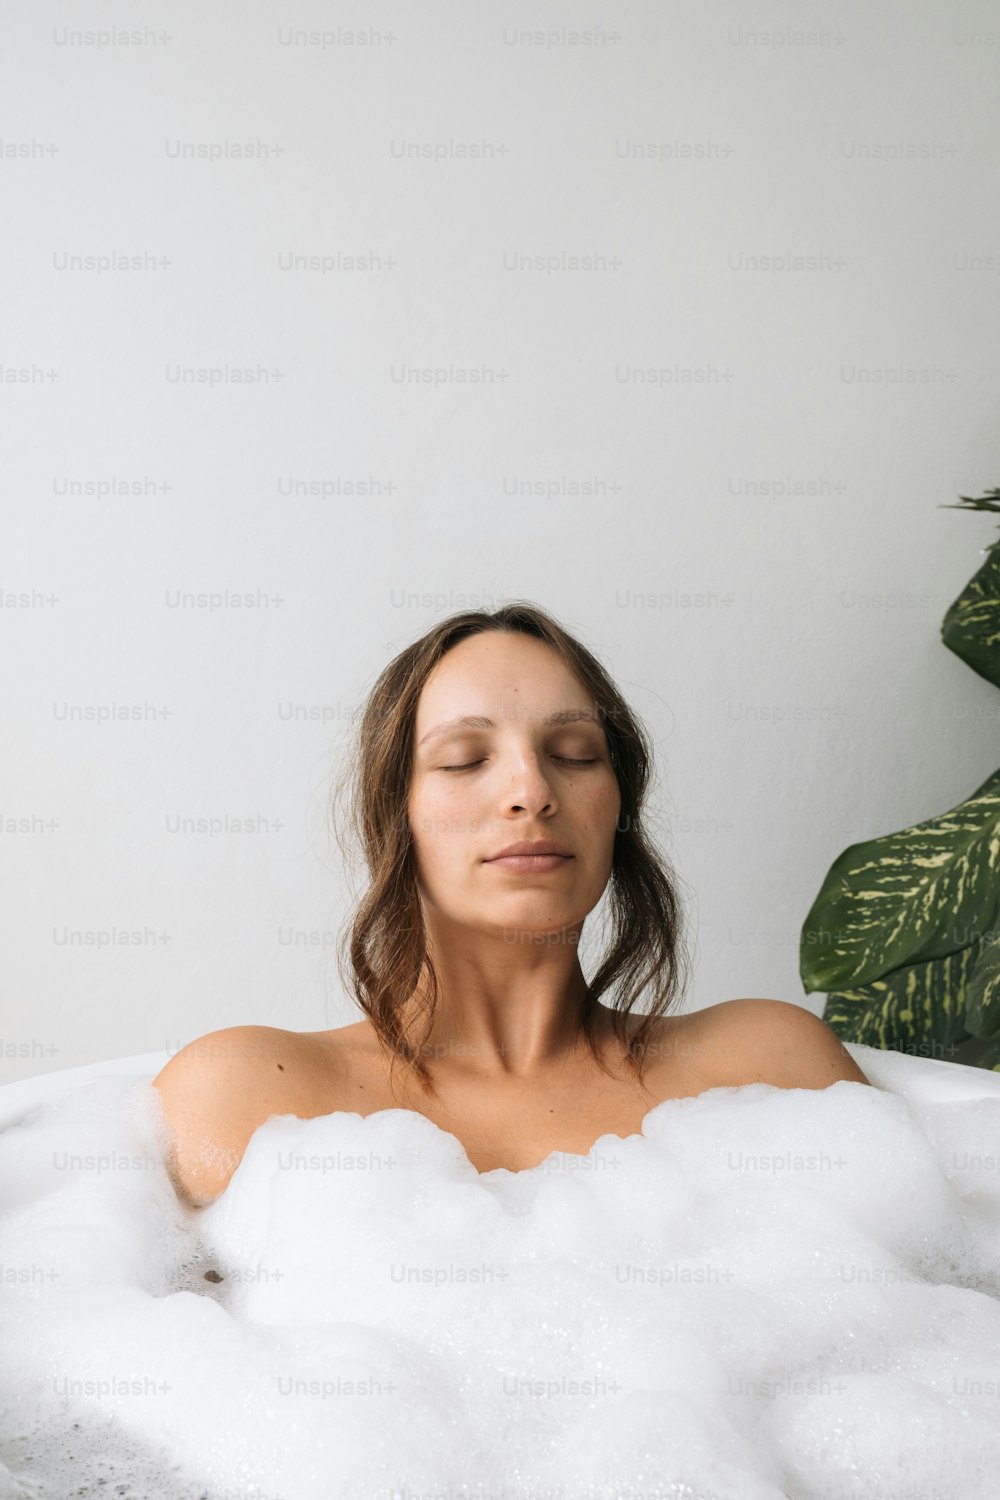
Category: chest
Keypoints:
(513, 1123)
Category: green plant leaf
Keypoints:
(971, 626)
(989, 501)
(919, 1009)
(982, 1002)
(921, 893)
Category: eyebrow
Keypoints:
(479, 721)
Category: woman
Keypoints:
(499, 783)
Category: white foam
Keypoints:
(767, 1293)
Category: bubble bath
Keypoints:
(767, 1293)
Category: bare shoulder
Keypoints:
(218, 1089)
(771, 1041)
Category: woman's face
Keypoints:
(521, 779)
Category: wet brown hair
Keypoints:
(382, 953)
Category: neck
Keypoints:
(519, 1028)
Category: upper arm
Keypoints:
(781, 1043)
(212, 1105)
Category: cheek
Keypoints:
(598, 818)
(610, 801)
(440, 813)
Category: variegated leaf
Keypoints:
(918, 1009)
(971, 626)
(982, 1002)
(907, 897)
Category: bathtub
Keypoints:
(681, 1314)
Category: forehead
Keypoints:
(503, 675)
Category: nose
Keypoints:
(529, 786)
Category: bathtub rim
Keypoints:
(17, 1098)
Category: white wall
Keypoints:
(825, 596)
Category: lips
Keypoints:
(526, 848)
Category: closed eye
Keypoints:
(569, 761)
